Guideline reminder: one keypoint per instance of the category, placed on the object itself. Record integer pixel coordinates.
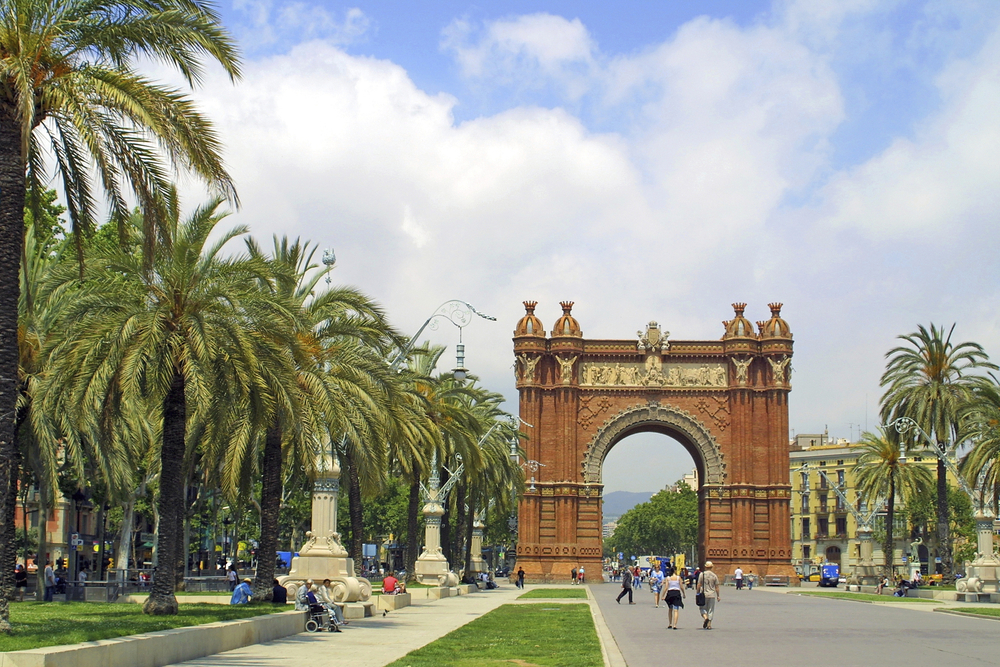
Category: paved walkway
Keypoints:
(369, 642)
(764, 626)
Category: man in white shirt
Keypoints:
(50, 581)
(738, 576)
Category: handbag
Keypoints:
(699, 597)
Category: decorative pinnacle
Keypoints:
(567, 306)
(775, 309)
(529, 307)
(739, 308)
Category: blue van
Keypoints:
(829, 575)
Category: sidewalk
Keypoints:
(370, 642)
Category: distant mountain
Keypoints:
(617, 503)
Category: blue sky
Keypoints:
(647, 160)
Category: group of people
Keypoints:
(671, 585)
(577, 576)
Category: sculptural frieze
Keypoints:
(742, 368)
(652, 374)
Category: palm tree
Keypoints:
(70, 89)
(338, 385)
(882, 473)
(981, 423)
(927, 380)
(182, 338)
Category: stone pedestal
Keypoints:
(478, 564)
(866, 573)
(983, 573)
(323, 556)
(432, 567)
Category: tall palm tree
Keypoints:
(882, 473)
(927, 379)
(981, 422)
(338, 385)
(70, 89)
(181, 337)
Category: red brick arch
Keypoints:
(726, 401)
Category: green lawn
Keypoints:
(555, 593)
(560, 635)
(54, 623)
(865, 597)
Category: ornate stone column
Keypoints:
(478, 564)
(432, 567)
(866, 572)
(323, 556)
(983, 573)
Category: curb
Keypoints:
(162, 647)
(610, 651)
(958, 612)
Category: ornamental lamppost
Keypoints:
(459, 313)
(983, 572)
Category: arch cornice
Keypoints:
(675, 419)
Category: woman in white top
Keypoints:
(675, 595)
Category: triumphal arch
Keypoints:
(725, 400)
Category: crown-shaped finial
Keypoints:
(567, 306)
(775, 309)
(739, 308)
(529, 307)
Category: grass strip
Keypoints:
(864, 597)
(38, 624)
(555, 594)
(973, 611)
(561, 635)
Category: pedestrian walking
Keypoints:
(750, 579)
(579, 574)
(655, 586)
(520, 577)
(637, 578)
(232, 577)
(572, 576)
(626, 587)
(674, 597)
(707, 594)
(50, 581)
(20, 581)
(738, 576)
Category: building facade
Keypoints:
(823, 528)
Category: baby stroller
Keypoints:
(320, 618)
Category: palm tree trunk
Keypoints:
(125, 538)
(944, 543)
(888, 552)
(11, 242)
(270, 508)
(355, 510)
(412, 536)
(460, 495)
(43, 540)
(161, 599)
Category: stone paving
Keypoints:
(369, 642)
(775, 628)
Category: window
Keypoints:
(842, 525)
(806, 551)
(840, 462)
(805, 528)
(822, 527)
(822, 463)
(822, 482)
(822, 504)
(840, 477)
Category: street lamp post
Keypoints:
(983, 572)
(459, 313)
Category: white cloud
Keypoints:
(537, 49)
(267, 23)
(683, 210)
